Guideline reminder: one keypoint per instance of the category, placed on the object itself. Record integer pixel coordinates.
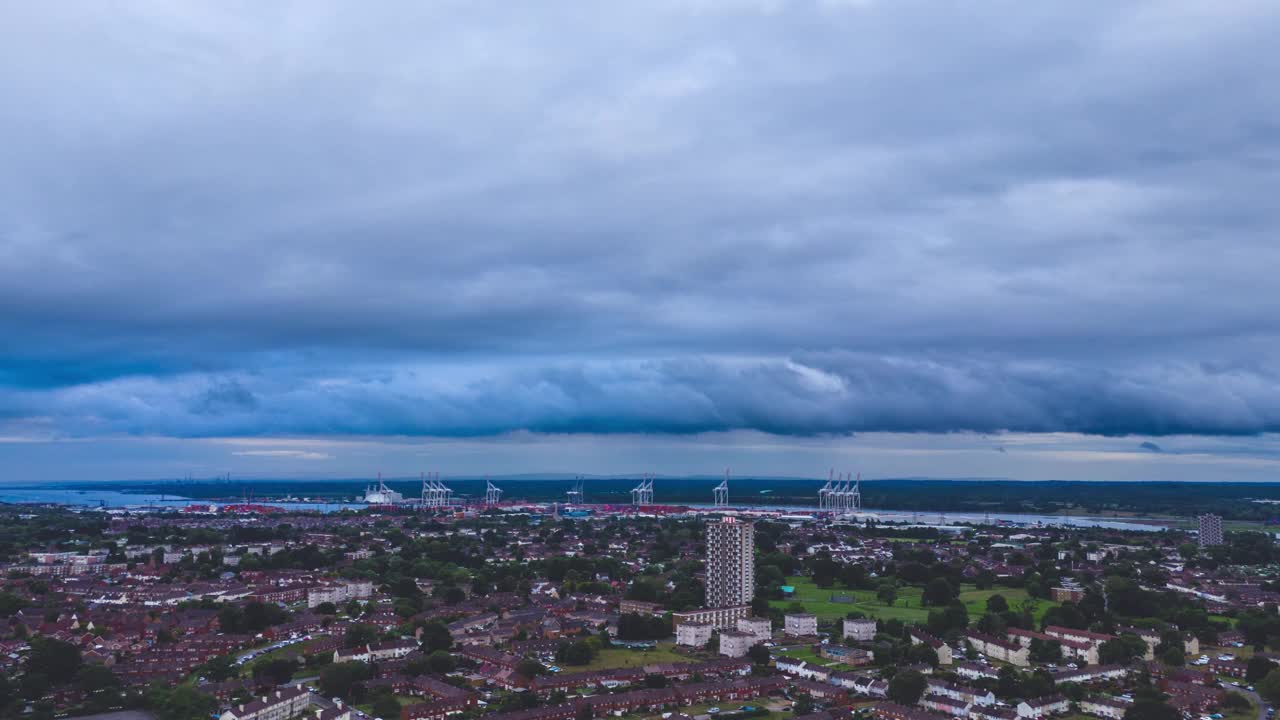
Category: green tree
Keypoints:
(1235, 701)
(906, 687)
(359, 634)
(938, 591)
(56, 660)
(655, 680)
(887, 593)
(530, 668)
(1269, 686)
(385, 706)
(218, 669)
(10, 604)
(1121, 650)
(275, 671)
(441, 662)
(436, 636)
(580, 652)
(340, 679)
(997, 604)
(1258, 668)
(182, 702)
(1048, 651)
(1151, 710)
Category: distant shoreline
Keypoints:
(1155, 502)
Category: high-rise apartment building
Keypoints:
(1210, 530)
(731, 563)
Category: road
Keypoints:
(1257, 701)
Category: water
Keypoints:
(934, 517)
(116, 499)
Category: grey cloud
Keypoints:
(1148, 445)
(820, 394)
(816, 217)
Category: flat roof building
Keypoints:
(731, 563)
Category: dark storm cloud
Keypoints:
(1148, 445)
(822, 394)
(801, 218)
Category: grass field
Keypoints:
(404, 701)
(975, 601)
(624, 658)
(732, 705)
(817, 600)
(907, 608)
(298, 650)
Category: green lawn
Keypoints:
(975, 601)
(404, 701)
(297, 649)
(730, 706)
(624, 658)
(817, 600)
(906, 608)
(811, 657)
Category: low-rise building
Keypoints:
(944, 651)
(946, 705)
(693, 634)
(373, 653)
(639, 607)
(282, 704)
(735, 644)
(761, 628)
(1042, 707)
(845, 655)
(1104, 707)
(800, 624)
(998, 649)
(720, 618)
(862, 630)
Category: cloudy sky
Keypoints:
(1005, 239)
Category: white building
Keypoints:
(339, 593)
(724, 618)
(760, 628)
(373, 653)
(284, 703)
(800, 624)
(863, 630)
(1104, 707)
(382, 495)
(693, 634)
(802, 669)
(1043, 707)
(735, 644)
